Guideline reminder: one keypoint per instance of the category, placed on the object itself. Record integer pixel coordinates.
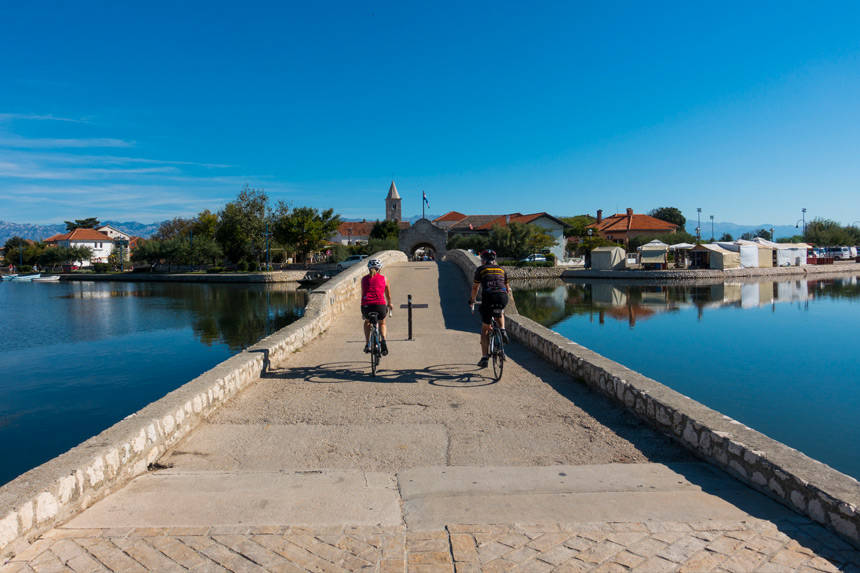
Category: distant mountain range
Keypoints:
(737, 230)
(42, 232)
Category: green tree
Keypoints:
(827, 233)
(89, 223)
(377, 245)
(205, 224)
(519, 240)
(670, 215)
(475, 242)
(578, 225)
(147, 252)
(205, 249)
(15, 242)
(726, 238)
(79, 253)
(242, 224)
(176, 227)
(763, 233)
(51, 257)
(305, 228)
(385, 230)
(176, 251)
(590, 243)
(668, 238)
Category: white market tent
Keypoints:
(608, 258)
(681, 246)
(787, 254)
(653, 253)
(748, 252)
(765, 253)
(720, 258)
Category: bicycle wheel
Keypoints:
(498, 354)
(374, 352)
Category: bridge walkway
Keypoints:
(430, 466)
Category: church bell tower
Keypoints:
(392, 204)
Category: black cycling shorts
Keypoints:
(488, 301)
(380, 309)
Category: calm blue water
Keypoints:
(780, 357)
(75, 358)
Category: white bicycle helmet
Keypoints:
(374, 264)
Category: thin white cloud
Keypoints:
(46, 143)
(6, 117)
(29, 156)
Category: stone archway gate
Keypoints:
(424, 233)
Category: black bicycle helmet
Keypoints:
(488, 255)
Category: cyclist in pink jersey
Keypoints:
(375, 297)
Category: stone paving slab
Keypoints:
(732, 546)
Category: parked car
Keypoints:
(350, 260)
(70, 268)
(839, 253)
(535, 258)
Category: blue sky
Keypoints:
(146, 111)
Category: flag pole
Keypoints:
(422, 204)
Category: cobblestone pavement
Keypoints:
(793, 545)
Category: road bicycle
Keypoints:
(496, 342)
(374, 340)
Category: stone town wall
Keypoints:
(805, 485)
(534, 272)
(63, 487)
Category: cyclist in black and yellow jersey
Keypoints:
(494, 281)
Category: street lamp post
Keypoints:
(588, 250)
(802, 220)
(268, 234)
(712, 228)
(349, 236)
(803, 210)
(772, 237)
(699, 224)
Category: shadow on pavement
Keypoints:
(447, 375)
(455, 298)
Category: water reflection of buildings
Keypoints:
(551, 302)
(637, 302)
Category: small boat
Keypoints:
(26, 278)
(315, 278)
(9, 277)
(48, 279)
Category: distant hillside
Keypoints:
(41, 232)
(737, 230)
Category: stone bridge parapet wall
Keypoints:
(59, 489)
(807, 486)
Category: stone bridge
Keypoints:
(291, 457)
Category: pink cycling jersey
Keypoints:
(373, 289)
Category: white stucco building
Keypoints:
(100, 243)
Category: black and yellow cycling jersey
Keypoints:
(492, 278)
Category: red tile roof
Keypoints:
(520, 218)
(450, 216)
(621, 223)
(81, 235)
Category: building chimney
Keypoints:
(599, 216)
(629, 217)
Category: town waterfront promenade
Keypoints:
(430, 466)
